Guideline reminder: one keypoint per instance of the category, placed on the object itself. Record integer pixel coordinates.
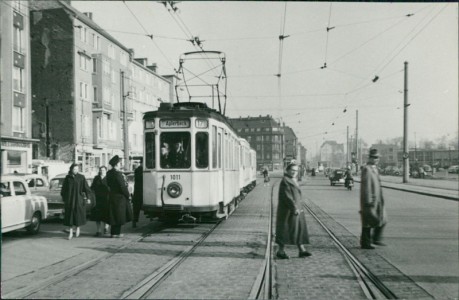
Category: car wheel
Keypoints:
(34, 226)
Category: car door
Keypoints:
(8, 211)
(22, 204)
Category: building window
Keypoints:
(94, 65)
(83, 32)
(111, 51)
(18, 119)
(83, 90)
(84, 62)
(123, 58)
(18, 79)
(106, 67)
(95, 99)
(113, 76)
(18, 40)
(99, 127)
(258, 129)
(96, 42)
(246, 129)
(106, 95)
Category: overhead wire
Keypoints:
(146, 31)
(326, 40)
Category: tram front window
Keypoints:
(202, 150)
(175, 150)
(150, 150)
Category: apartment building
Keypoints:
(82, 78)
(15, 88)
(266, 136)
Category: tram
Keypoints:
(195, 164)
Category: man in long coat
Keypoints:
(137, 198)
(372, 210)
(74, 204)
(120, 211)
(291, 226)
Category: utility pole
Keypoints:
(125, 126)
(48, 142)
(406, 157)
(347, 147)
(356, 141)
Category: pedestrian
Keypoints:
(291, 226)
(265, 175)
(99, 212)
(72, 191)
(120, 211)
(372, 210)
(137, 198)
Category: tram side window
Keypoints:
(202, 150)
(175, 150)
(150, 150)
(219, 150)
(214, 147)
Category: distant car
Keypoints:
(337, 177)
(453, 169)
(53, 195)
(36, 182)
(20, 208)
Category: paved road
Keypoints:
(421, 233)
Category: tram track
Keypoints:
(371, 285)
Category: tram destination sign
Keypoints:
(183, 123)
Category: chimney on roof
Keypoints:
(131, 51)
(87, 14)
(143, 61)
(153, 67)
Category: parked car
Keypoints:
(20, 208)
(337, 177)
(36, 182)
(53, 195)
(453, 169)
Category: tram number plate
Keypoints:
(175, 177)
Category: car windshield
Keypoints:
(56, 183)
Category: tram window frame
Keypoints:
(150, 156)
(182, 161)
(214, 147)
(200, 147)
(219, 152)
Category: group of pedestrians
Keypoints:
(291, 227)
(112, 199)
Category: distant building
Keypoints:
(291, 144)
(266, 136)
(302, 154)
(15, 88)
(438, 158)
(388, 154)
(81, 77)
(332, 155)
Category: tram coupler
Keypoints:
(187, 218)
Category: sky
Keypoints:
(364, 41)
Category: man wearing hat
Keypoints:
(372, 210)
(120, 211)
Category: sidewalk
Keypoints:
(445, 189)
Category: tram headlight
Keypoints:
(174, 189)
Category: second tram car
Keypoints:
(194, 163)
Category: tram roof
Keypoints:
(187, 110)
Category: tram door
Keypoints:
(221, 173)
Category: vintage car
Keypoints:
(36, 182)
(20, 208)
(337, 177)
(53, 195)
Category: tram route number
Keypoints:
(175, 177)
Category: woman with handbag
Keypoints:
(291, 228)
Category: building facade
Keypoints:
(332, 155)
(15, 86)
(438, 158)
(388, 154)
(291, 145)
(266, 136)
(82, 78)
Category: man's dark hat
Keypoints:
(374, 153)
(115, 159)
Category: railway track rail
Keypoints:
(371, 285)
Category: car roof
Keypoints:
(11, 178)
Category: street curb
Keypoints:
(418, 192)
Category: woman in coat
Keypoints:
(74, 204)
(99, 213)
(291, 226)
(120, 211)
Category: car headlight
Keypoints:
(174, 189)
